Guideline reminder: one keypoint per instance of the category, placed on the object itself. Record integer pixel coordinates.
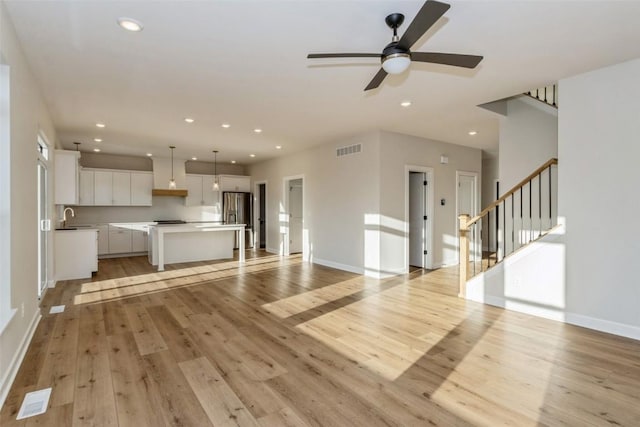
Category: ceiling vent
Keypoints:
(351, 149)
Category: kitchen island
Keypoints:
(194, 242)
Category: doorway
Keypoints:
(419, 217)
(44, 222)
(467, 203)
(295, 216)
(261, 220)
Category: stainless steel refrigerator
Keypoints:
(237, 208)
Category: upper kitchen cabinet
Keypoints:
(235, 183)
(66, 177)
(141, 188)
(200, 191)
(103, 187)
(87, 186)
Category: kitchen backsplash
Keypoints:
(163, 208)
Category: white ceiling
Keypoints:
(244, 62)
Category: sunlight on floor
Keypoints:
(105, 290)
(308, 300)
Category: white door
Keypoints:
(467, 204)
(43, 228)
(418, 219)
(295, 216)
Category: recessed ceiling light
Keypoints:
(194, 158)
(278, 147)
(473, 132)
(130, 24)
(97, 139)
(233, 162)
(149, 154)
(226, 125)
(257, 130)
(189, 120)
(405, 103)
(97, 150)
(252, 155)
(100, 125)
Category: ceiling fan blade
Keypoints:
(427, 16)
(466, 61)
(343, 55)
(377, 79)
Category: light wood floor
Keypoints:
(280, 342)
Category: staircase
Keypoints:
(521, 216)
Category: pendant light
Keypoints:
(172, 181)
(216, 185)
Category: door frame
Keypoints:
(476, 186)
(46, 162)
(283, 217)
(429, 171)
(256, 214)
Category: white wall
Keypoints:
(598, 194)
(354, 210)
(398, 150)
(528, 138)
(585, 273)
(338, 193)
(29, 116)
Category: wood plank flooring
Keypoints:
(280, 342)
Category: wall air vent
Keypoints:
(351, 149)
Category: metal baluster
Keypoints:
(504, 228)
(550, 219)
(513, 228)
(540, 202)
(530, 209)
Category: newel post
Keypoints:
(464, 254)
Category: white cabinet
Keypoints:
(119, 240)
(103, 186)
(86, 188)
(139, 241)
(235, 183)
(66, 177)
(103, 239)
(76, 254)
(141, 188)
(200, 191)
(121, 182)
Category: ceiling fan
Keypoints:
(397, 55)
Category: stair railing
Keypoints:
(547, 94)
(523, 214)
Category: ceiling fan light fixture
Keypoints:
(396, 63)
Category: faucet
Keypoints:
(64, 216)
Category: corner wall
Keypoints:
(337, 194)
(28, 117)
(598, 196)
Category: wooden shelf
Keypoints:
(163, 192)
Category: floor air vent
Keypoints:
(34, 403)
(351, 149)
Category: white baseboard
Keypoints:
(602, 325)
(51, 284)
(345, 267)
(607, 326)
(12, 371)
